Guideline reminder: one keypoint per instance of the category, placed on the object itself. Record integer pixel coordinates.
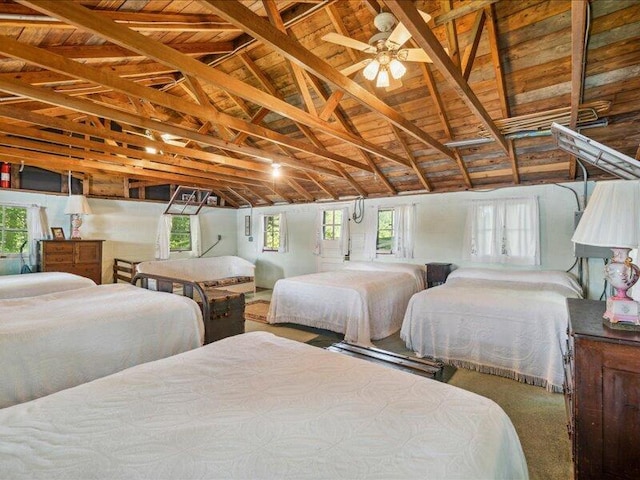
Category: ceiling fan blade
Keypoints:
(416, 55)
(355, 67)
(348, 42)
(401, 35)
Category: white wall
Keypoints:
(440, 231)
(127, 226)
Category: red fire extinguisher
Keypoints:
(5, 175)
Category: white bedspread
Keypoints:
(32, 284)
(501, 324)
(59, 340)
(259, 406)
(365, 303)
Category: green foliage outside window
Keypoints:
(180, 240)
(331, 224)
(13, 229)
(271, 232)
(384, 240)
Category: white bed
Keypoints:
(364, 301)
(41, 283)
(56, 341)
(260, 406)
(510, 323)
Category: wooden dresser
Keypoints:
(602, 369)
(82, 257)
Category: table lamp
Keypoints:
(77, 205)
(612, 219)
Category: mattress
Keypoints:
(259, 406)
(365, 302)
(32, 284)
(509, 323)
(56, 341)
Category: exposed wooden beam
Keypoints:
(85, 106)
(452, 36)
(424, 37)
(300, 189)
(241, 197)
(120, 35)
(437, 99)
(471, 51)
(324, 187)
(416, 168)
(465, 9)
(115, 51)
(138, 92)
(578, 53)
(295, 52)
(514, 162)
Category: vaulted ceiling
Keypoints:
(134, 93)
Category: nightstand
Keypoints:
(437, 273)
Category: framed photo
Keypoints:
(58, 233)
(247, 225)
(186, 197)
(212, 200)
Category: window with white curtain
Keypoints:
(505, 230)
(271, 232)
(180, 238)
(331, 224)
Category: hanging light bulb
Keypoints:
(275, 169)
(397, 69)
(383, 78)
(371, 70)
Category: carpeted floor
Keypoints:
(538, 416)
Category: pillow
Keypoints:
(412, 269)
(556, 277)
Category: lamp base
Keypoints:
(622, 311)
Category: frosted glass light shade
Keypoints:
(77, 204)
(383, 78)
(371, 70)
(612, 216)
(397, 69)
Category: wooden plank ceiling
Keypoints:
(134, 93)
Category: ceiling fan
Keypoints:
(386, 48)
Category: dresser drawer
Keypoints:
(58, 258)
(58, 247)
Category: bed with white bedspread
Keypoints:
(59, 340)
(40, 283)
(260, 406)
(509, 323)
(364, 301)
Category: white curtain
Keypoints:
(260, 232)
(196, 244)
(37, 228)
(318, 237)
(163, 237)
(284, 237)
(503, 231)
(344, 232)
(404, 231)
(371, 233)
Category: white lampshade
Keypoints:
(383, 78)
(371, 70)
(397, 69)
(77, 204)
(612, 216)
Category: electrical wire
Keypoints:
(358, 210)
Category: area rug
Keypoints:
(257, 311)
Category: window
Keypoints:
(503, 231)
(331, 224)
(180, 239)
(13, 229)
(384, 238)
(271, 233)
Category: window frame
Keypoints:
(3, 231)
(274, 220)
(385, 251)
(333, 224)
(173, 232)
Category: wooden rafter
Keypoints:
(470, 52)
(115, 51)
(416, 168)
(452, 36)
(409, 16)
(578, 52)
(295, 52)
(88, 20)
